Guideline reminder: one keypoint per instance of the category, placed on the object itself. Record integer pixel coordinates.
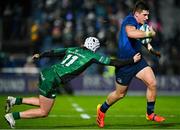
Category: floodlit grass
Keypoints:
(128, 113)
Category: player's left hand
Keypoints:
(137, 57)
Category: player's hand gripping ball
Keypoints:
(145, 28)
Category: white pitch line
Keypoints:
(116, 116)
(74, 105)
(85, 116)
(79, 109)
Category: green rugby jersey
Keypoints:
(76, 59)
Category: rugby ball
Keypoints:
(145, 28)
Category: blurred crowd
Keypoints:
(33, 26)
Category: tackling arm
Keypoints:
(120, 63)
(116, 62)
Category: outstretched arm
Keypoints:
(51, 53)
(120, 63)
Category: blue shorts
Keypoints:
(125, 74)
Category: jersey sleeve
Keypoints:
(112, 62)
(131, 21)
(99, 59)
(121, 63)
(54, 53)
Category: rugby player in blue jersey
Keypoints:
(129, 45)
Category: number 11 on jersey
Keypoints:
(69, 60)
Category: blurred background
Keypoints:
(34, 26)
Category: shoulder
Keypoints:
(130, 20)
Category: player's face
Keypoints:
(142, 16)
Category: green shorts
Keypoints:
(48, 83)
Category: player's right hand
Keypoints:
(35, 56)
(137, 57)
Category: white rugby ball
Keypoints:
(145, 28)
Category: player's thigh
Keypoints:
(46, 103)
(147, 76)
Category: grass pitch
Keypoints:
(79, 112)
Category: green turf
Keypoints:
(128, 113)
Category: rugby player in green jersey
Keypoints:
(74, 61)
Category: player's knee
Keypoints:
(44, 113)
(152, 84)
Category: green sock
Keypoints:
(16, 115)
(18, 101)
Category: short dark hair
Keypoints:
(140, 5)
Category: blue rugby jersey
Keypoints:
(128, 47)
